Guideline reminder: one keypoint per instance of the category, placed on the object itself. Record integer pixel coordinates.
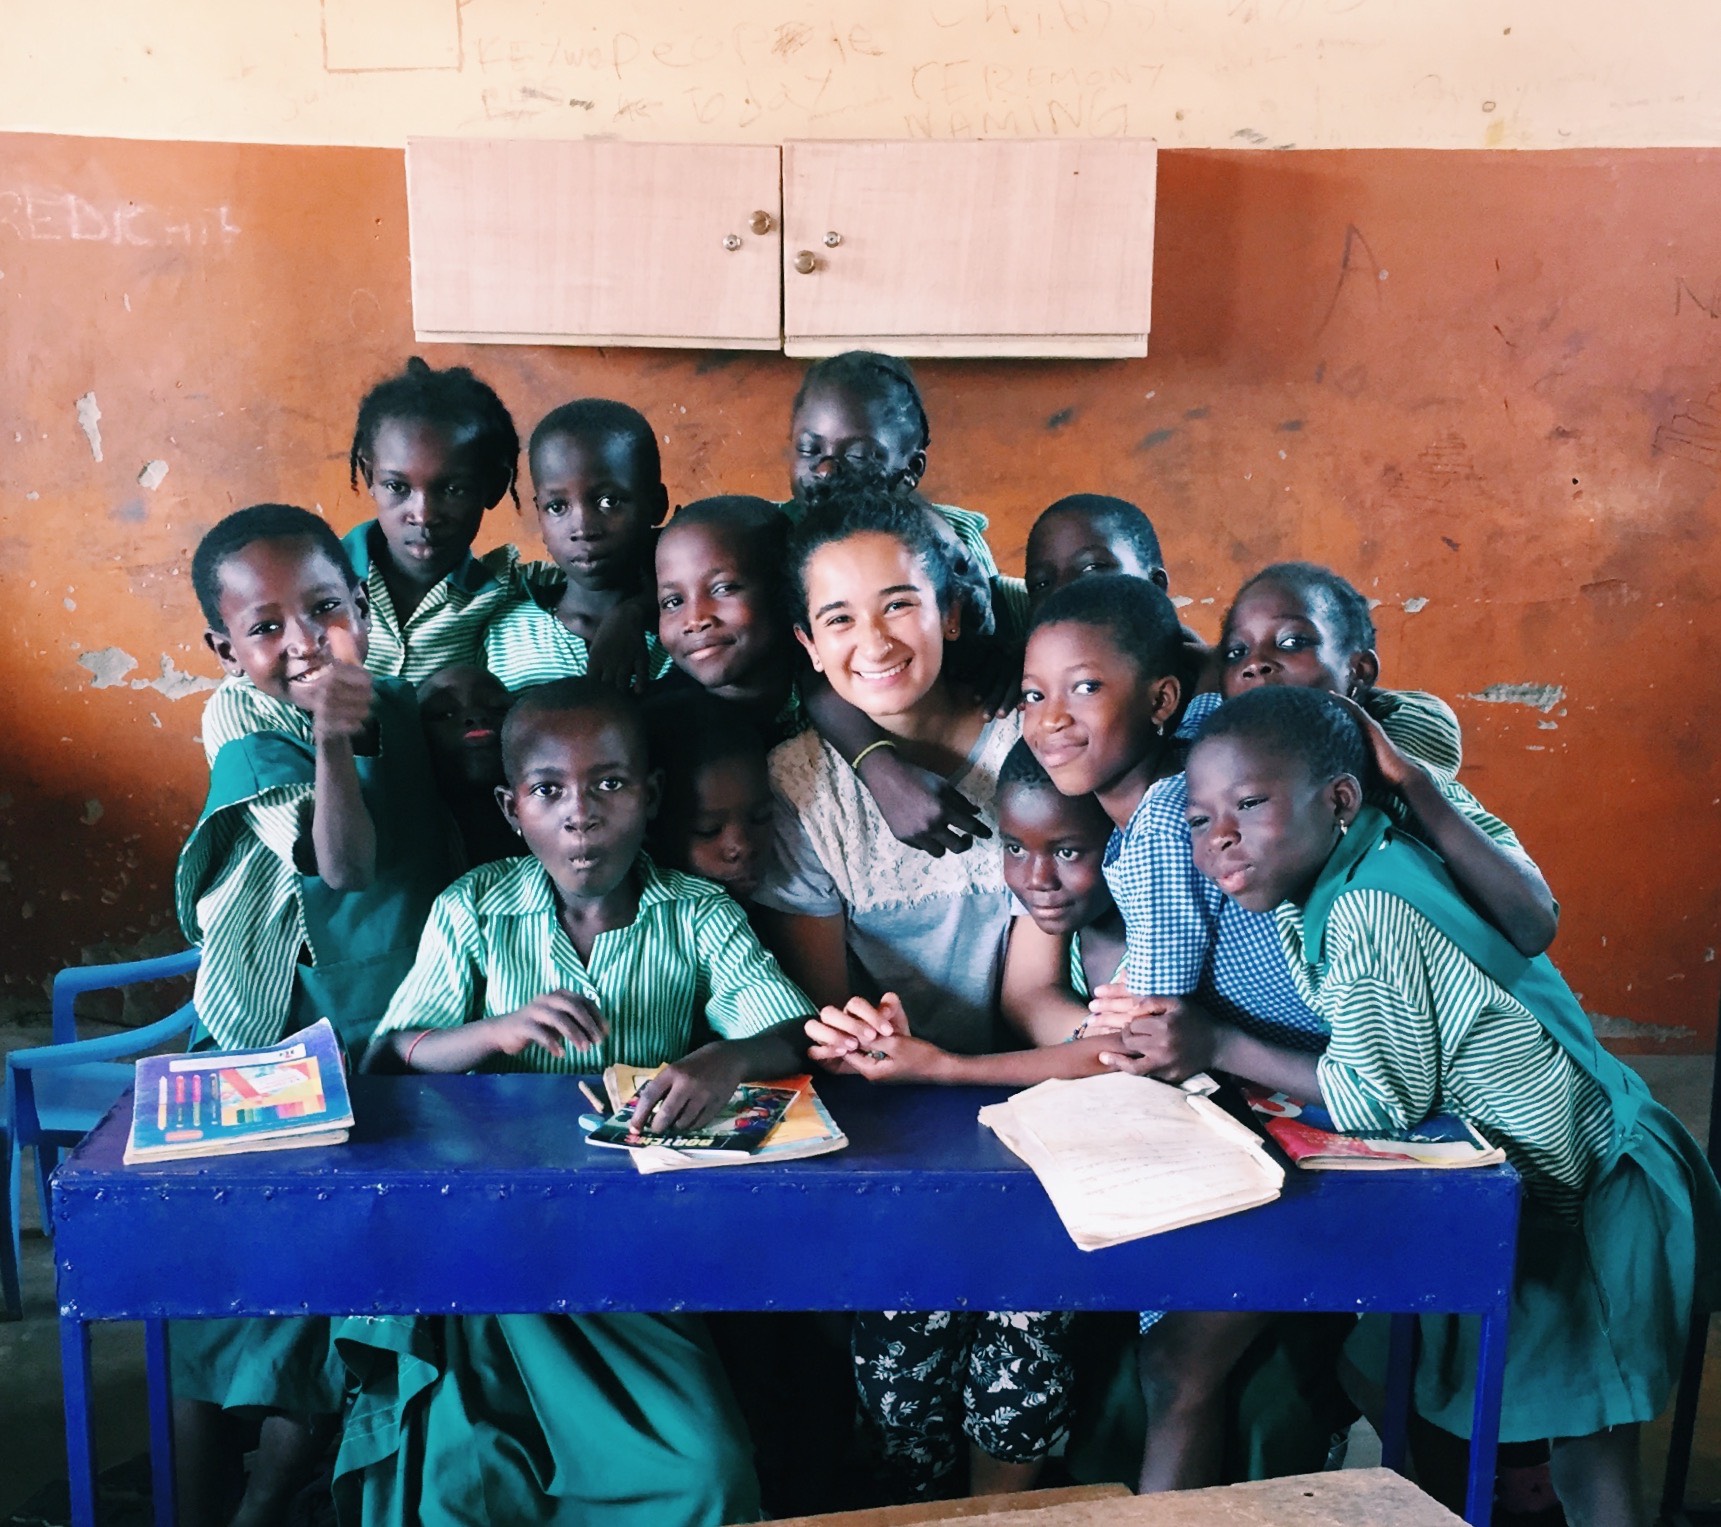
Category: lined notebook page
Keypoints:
(1126, 1156)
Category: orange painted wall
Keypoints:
(1486, 386)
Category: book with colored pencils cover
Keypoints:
(220, 1103)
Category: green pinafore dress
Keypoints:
(362, 944)
(1600, 1307)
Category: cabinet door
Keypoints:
(1006, 248)
(519, 241)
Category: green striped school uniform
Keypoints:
(1431, 1009)
(281, 949)
(562, 1421)
(448, 625)
(529, 644)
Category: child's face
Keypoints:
(1067, 544)
(873, 626)
(462, 709)
(728, 837)
(1088, 713)
(581, 800)
(280, 600)
(597, 502)
(714, 612)
(1276, 635)
(835, 424)
(1261, 826)
(1053, 847)
(429, 489)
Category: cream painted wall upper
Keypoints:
(1199, 73)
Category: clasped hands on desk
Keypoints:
(477, 1194)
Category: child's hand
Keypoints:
(341, 696)
(922, 809)
(617, 654)
(1113, 1007)
(689, 1093)
(900, 1058)
(1395, 766)
(557, 1020)
(841, 1033)
(1172, 1044)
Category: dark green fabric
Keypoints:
(363, 942)
(547, 1420)
(284, 1364)
(1599, 1309)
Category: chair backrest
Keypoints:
(72, 983)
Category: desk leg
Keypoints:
(161, 1475)
(80, 1425)
(1400, 1372)
(1485, 1419)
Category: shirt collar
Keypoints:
(365, 544)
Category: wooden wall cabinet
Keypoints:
(1010, 248)
(520, 241)
(1033, 248)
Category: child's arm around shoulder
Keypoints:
(1506, 888)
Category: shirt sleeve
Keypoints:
(797, 880)
(1381, 1069)
(1424, 726)
(445, 987)
(1170, 909)
(746, 990)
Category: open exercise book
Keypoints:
(223, 1102)
(807, 1129)
(1123, 1156)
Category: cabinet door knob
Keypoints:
(762, 222)
(832, 239)
(806, 262)
(731, 242)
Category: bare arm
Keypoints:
(1035, 996)
(903, 1058)
(813, 954)
(1506, 888)
(557, 1021)
(343, 837)
(921, 808)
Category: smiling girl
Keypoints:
(889, 939)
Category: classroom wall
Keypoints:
(1486, 385)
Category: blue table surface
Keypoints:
(479, 1193)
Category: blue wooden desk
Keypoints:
(478, 1194)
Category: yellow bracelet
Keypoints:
(883, 742)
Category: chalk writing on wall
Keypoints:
(39, 214)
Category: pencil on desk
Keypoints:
(592, 1097)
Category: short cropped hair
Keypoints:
(692, 729)
(589, 418)
(1115, 517)
(1352, 622)
(245, 527)
(1307, 725)
(1020, 767)
(562, 697)
(867, 510)
(758, 526)
(1136, 615)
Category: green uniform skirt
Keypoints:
(285, 1364)
(1599, 1308)
(559, 1420)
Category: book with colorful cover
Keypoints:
(739, 1130)
(807, 1128)
(1306, 1133)
(220, 1103)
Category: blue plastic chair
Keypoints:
(56, 1093)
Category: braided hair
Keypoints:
(871, 374)
(453, 400)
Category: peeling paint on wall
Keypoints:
(108, 666)
(1415, 606)
(151, 475)
(92, 812)
(89, 417)
(1607, 1027)
(175, 682)
(1542, 697)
